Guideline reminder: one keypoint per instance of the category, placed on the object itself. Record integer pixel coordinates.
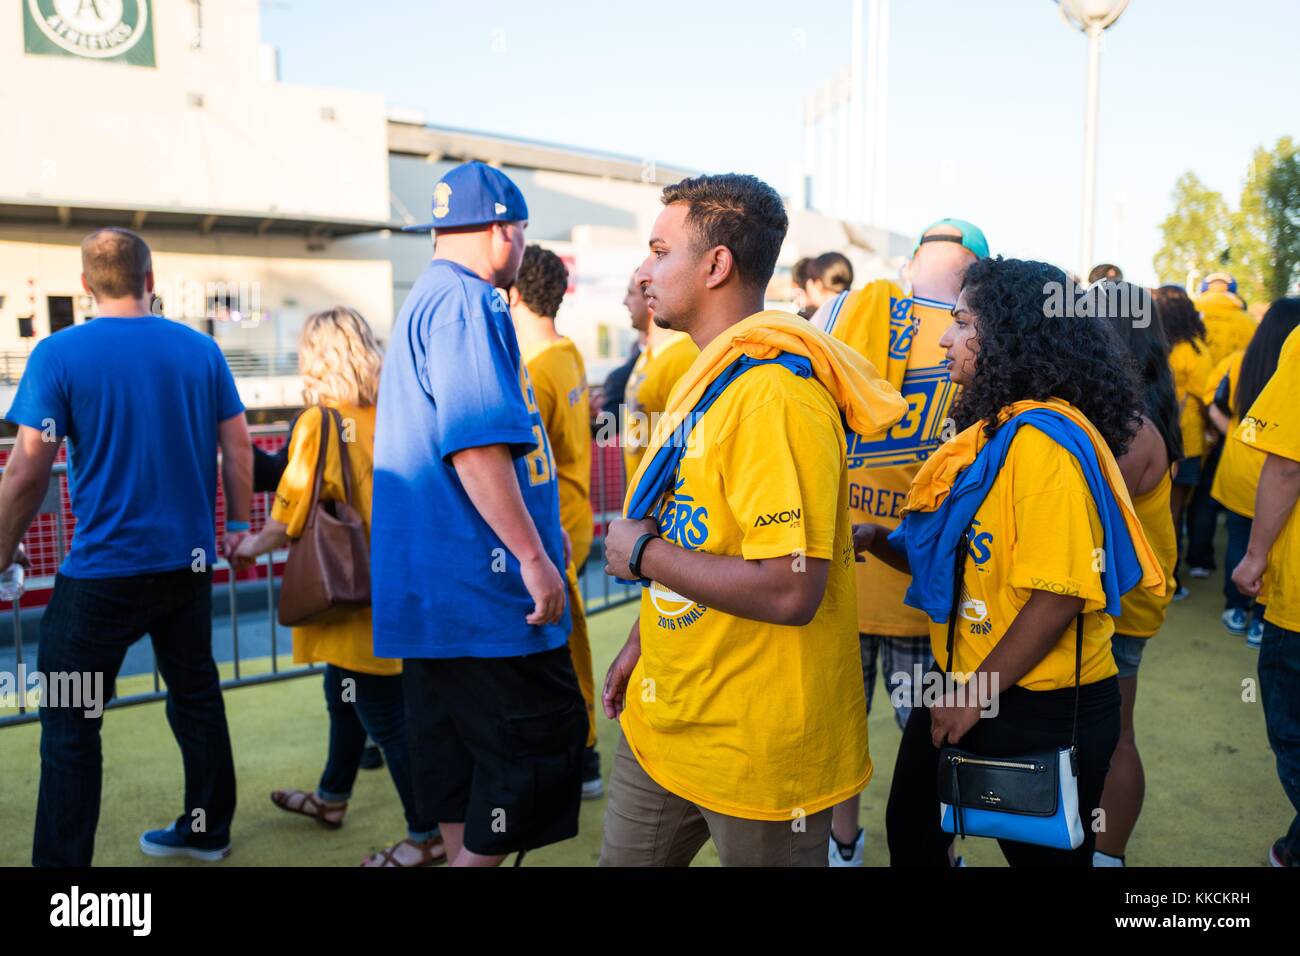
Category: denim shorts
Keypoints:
(1128, 653)
(1189, 472)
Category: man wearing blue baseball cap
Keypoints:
(899, 332)
(467, 549)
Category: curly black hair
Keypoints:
(1181, 321)
(542, 280)
(1033, 343)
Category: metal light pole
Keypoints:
(1092, 17)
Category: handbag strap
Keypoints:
(321, 454)
(345, 464)
(958, 572)
(331, 421)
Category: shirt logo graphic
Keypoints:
(979, 546)
(791, 517)
(681, 522)
(901, 328)
(929, 394)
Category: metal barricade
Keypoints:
(607, 496)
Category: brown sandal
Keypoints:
(309, 805)
(431, 853)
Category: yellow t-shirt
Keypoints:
(1142, 611)
(754, 720)
(1237, 475)
(1228, 327)
(1191, 369)
(646, 396)
(560, 385)
(881, 467)
(347, 640)
(1272, 427)
(1038, 529)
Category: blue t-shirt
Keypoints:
(442, 582)
(139, 400)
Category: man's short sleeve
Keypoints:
(1272, 424)
(42, 398)
(475, 381)
(229, 403)
(782, 468)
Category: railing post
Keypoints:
(18, 658)
(271, 609)
(234, 618)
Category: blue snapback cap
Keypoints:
(474, 194)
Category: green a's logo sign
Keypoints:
(114, 30)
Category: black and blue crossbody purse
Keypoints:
(1029, 798)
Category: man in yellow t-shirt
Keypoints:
(666, 356)
(882, 322)
(559, 380)
(739, 689)
(1272, 426)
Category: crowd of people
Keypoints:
(983, 478)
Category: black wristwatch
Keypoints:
(638, 549)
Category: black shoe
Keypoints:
(372, 758)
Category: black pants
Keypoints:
(86, 629)
(1027, 720)
(1202, 514)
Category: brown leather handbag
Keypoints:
(327, 573)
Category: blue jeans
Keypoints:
(1238, 541)
(1279, 690)
(87, 627)
(372, 705)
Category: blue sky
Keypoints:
(986, 98)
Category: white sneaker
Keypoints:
(836, 858)
(1235, 620)
(1255, 635)
(593, 789)
(1199, 572)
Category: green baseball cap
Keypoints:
(972, 237)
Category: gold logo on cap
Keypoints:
(441, 200)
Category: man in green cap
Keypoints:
(899, 333)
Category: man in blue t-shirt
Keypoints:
(144, 404)
(466, 544)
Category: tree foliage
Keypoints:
(1259, 242)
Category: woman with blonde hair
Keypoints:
(340, 360)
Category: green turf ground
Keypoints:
(1213, 798)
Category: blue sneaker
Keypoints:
(1235, 620)
(170, 843)
(1255, 636)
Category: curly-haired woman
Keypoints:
(1029, 500)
